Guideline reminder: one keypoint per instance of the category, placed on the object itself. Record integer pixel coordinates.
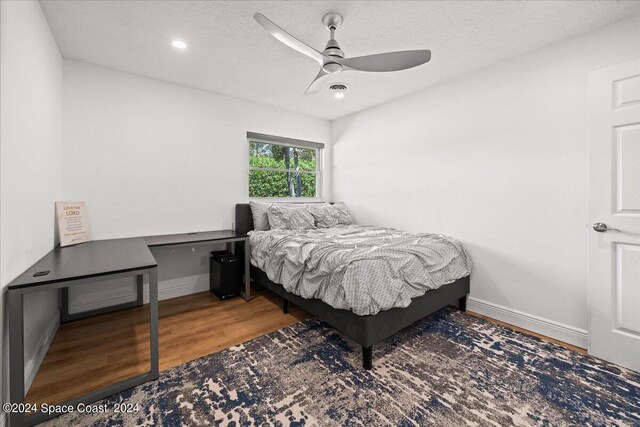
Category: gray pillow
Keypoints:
(259, 212)
(290, 218)
(331, 215)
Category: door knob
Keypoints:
(602, 227)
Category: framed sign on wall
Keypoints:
(73, 223)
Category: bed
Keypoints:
(365, 329)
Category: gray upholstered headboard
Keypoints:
(244, 218)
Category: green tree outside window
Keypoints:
(281, 171)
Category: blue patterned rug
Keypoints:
(449, 369)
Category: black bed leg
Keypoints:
(462, 303)
(367, 357)
(285, 306)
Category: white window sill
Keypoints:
(287, 199)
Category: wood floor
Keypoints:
(88, 354)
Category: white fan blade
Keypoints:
(391, 61)
(287, 38)
(315, 85)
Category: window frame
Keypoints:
(318, 147)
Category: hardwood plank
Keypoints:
(89, 353)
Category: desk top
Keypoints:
(90, 259)
(186, 238)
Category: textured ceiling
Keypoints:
(230, 54)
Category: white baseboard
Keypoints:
(179, 290)
(550, 328)
(164, 292)
(33, 364)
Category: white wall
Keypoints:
(498, 159)
(151, 157)
(30, 147)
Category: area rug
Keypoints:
(450, 369)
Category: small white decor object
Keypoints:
(73, 223)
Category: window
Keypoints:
(284, 167)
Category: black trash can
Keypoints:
(225, 274)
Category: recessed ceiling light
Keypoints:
(179, 44)
(338, 90)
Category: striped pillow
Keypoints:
(289, 218)
(259, 212)
(331, 215)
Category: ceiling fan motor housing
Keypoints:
(333, 49)
(332, 22)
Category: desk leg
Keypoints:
(140, 290)
(64, 310)
(16, 355)
(247, 271)
(153, 321)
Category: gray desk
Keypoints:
(229, 237)
(92, 262)
(73, 266)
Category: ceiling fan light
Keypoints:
(332, 67)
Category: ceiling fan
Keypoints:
(332, 59)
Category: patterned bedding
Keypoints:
(360, 268)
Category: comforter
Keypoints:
(360, 268)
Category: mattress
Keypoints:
(360, 268)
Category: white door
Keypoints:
(614, 212)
